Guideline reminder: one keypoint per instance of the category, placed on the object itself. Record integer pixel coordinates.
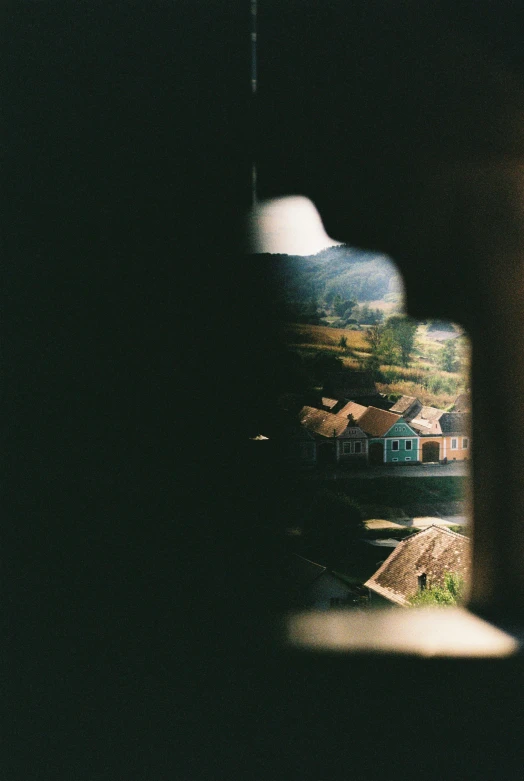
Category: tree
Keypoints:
(343, 307)
(401, 330)
(451, 593)
(374, 337)
(448, 360)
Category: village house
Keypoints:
(426, 424)
(456, 438)
(419, 562)
(391, 440)
(337, 439)
(353, 433)
(308, 585)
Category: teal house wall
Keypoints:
(401, 444)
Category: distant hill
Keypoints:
(339, 270)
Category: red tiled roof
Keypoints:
(322, 423)
(376, 422)
(352, 408)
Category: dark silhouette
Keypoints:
(141, 526)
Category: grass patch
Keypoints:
(323, 336)
(402, 491)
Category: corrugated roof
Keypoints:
(322, 423)
(376, 422)
(352, 408)
(455, 422)
(433, 552)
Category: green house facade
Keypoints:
(401, 444)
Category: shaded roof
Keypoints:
(322, 423)
(298, 574)
(352, 408)
(302, 572)
(433, 552)
(404, 404)
(455, 422)
(376, 421)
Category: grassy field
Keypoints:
(322, 336)
(401, 491)
(422, 378)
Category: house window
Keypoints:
(358, 447)
(409, 444)
(395, 444)
(394, 459)
(454, 444)
(465, 443)
(422, 582)
(408, 458)
(346, 448)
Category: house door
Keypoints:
(430, 452)
(376, 453)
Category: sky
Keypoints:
(290, 225)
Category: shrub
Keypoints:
(451, 593)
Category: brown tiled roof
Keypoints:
(329, 403)
(322, 423)
(432, 552)
(403, 404)
(352, 408)
(376, 422)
